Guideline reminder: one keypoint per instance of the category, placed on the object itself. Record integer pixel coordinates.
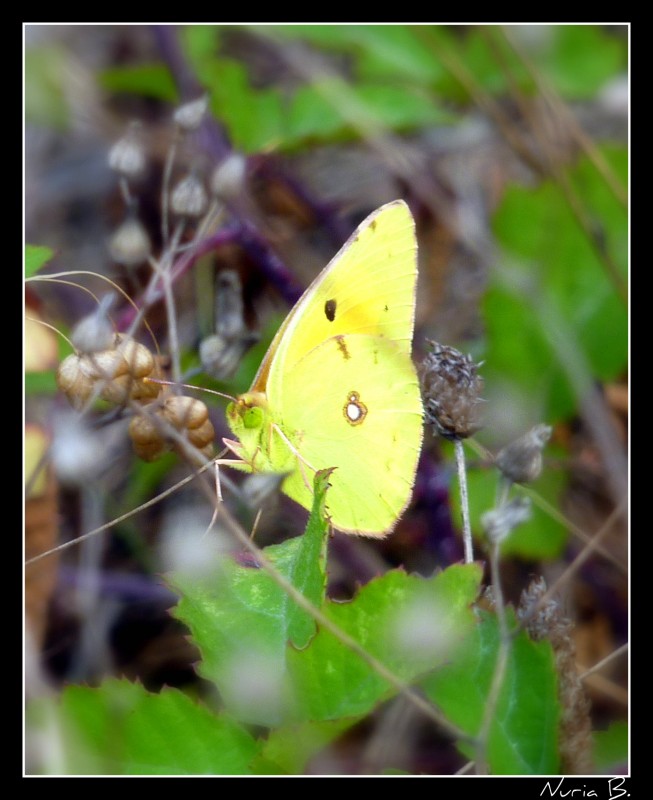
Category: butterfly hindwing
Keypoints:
(353, 402)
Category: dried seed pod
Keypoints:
(75, 381)
(140, 361)
(499, 522)
(202, 436)
(189, 116)
(94, 332)
(451, 390)
(147, 438)
(185, 412)
(130, 244)
(521, 460)
(127, 156)
(229, 176)
(116, 374)
(189, 198)
(221, 353)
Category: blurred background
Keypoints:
(510, 145)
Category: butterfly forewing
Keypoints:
(368, 288)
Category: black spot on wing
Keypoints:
(330, 310)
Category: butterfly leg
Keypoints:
(301, 461)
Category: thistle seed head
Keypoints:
(451, 390)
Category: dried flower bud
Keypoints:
(127, 156)
(95, 331)
(229, 176)
(499, 522)
(222, 352)
(521, 460)
(189, 198)
(451, 389)
(189, 116)
(130, 244)
(546, 621)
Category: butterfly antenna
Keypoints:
(162, 382)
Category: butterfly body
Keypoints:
(338, 387)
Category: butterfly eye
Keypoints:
(253, 417)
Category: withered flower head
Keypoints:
(451, 390)
(521, 460)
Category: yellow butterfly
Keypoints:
(338, 388)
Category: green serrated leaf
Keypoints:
(523, 737)
(242, 620)
(120, 728)
(410, 624)
(308, 570)
(35, 257)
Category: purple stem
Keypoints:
(214, 140)
(432, 491)
(211, 137)
(269, 263)
(244, 234)
(127, 586)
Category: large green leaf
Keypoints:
(523, 738)
(253, 117)
(580, 59)
(556, 322)
(410, 624)
(120, 728)
(242, 620)
(292, 745)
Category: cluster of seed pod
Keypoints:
(116, 374)
(188, 416)
(125, 373)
